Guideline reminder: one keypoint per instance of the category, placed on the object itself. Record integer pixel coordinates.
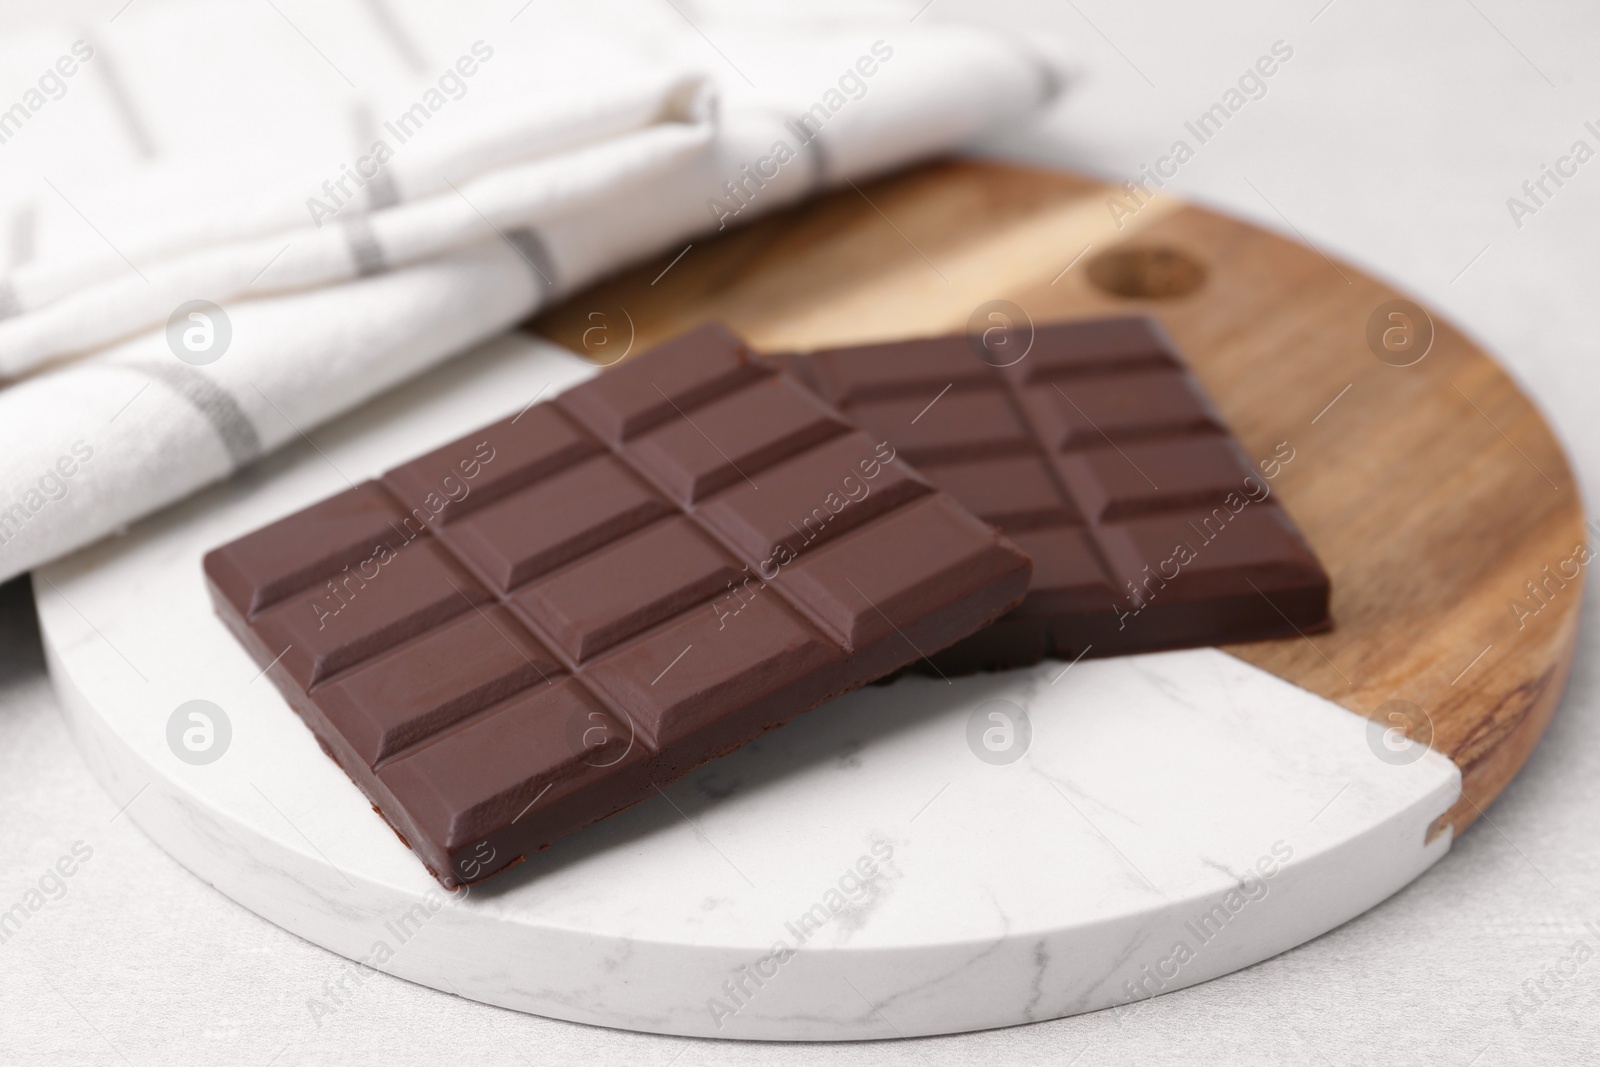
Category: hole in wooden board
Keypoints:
(1149, 273)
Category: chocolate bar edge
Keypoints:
(887, 655)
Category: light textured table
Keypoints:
(1391, 137)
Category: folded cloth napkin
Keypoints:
(224, 224)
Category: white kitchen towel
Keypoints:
(223, 224)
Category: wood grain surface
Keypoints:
(1434, 493)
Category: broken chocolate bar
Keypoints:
(1099, 455)
(537, 625)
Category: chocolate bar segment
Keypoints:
(1100, 456)
(535, 626)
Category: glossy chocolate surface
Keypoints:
(539, 624)
(1099, 455)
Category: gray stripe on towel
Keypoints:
(400, 40)
(219, 408)
(381, 191)
(365, 251)
(531, 247)
(815, 152)
(122, 101)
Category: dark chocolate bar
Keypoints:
(535, 626)
(1099, 455)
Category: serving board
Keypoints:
(868, 871)
(1432, 491)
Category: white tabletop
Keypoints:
(1391, 137)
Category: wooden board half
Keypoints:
(1434, 492)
